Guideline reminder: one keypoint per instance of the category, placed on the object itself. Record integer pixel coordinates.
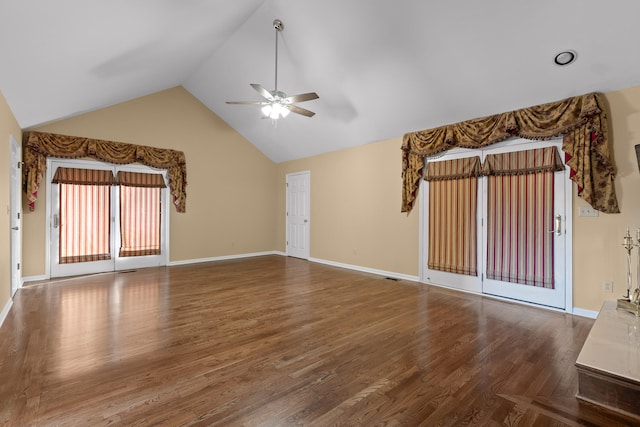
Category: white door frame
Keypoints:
(117, 263)
(306, 251)
(15, 221)
(568, 228)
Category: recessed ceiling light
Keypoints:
(565, 58)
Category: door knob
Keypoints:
(306, 220)
(15, 228)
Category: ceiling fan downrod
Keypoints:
(278, 104)
(278, 26)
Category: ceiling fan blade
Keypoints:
(262, 91)
(298, 110)
(248, 102)
(302, 97)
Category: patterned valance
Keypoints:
(137, 179)
(39, 146)
(83, 176)
(453, 169)
(523, 162)
(581, 121)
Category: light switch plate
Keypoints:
(587, 211)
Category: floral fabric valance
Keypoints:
(581, 121)
(39, 146)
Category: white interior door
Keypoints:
(298, 217)
(556, 297)
(114, 261)
(16, 213)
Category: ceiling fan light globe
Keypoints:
(277, 111)
(266, 110)
(284, 112)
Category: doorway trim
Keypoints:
(15, 221)
(306, 252)
(423, 207)
(118, 265)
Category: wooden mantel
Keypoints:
(609, 362)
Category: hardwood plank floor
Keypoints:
(281, 341)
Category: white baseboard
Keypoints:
(222, 258)
(584, 313)
(5, 311)
(34, 278)
(366, 269)
(576, 311)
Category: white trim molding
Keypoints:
(366, 270)
(5, 311)
(584, 313)
(223, 258)
(34, 278)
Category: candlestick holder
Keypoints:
(631, 301)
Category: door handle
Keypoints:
(558, 228)
(55, 220)
(306, 220)
(15, 228)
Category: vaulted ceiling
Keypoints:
(381, 68)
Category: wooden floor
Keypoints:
(281, 341)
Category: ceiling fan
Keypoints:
(277, 104)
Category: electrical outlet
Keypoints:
(607, 287)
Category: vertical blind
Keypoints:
(453, 201)
(140, 210)
(520, 216)
(85, 207)
(84, 226)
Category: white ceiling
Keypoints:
(381, 68)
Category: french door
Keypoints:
(15, 198)
(518, 239)
(105, 217)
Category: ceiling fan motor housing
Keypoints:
(277, 103)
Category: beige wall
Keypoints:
(356, 219)
(597, 252)
(8, 127)
(355, 208)
(236, 197)
(230, 184)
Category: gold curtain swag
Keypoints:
(40, 145)
(581, 121)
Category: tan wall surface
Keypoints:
(230, 184)
(355, 194)
(355, 208)
(597, 252)
(8, 127)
